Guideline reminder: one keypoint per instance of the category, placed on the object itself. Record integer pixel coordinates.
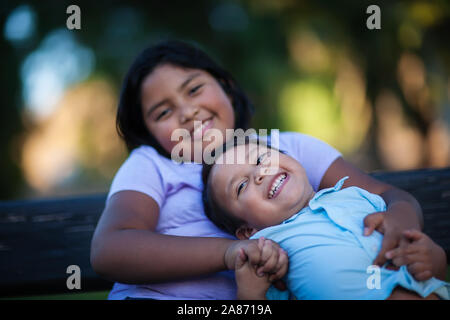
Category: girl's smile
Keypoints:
(178, 98)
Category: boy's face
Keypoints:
(259, 196)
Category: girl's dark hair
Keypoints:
(219, 215)
(130, 123)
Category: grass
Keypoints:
(98, 295)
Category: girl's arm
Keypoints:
(126, 249)
(403, 211)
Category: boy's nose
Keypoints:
(262, 171)
(258, 179)
(259, 175)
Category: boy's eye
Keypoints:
(240, 187)
(261, 158)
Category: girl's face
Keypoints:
(173, 97)
(258, 196)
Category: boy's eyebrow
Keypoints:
(184, 84)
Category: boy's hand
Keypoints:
(250, 286)
(424, 258)
(274, 262)
(264, 255)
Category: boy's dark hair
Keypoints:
(130, 123)
(221, 217)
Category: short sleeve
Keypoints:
(315, 155)
(139, 173)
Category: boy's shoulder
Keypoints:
(352, 196)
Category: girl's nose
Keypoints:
(188, 113)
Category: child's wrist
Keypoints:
(229, 255)
(245, 295)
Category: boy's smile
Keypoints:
(277, 184)
(260, 192)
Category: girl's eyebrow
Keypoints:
(189, 79)
(183, 85)
(155, 106)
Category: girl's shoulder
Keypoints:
(148, 155)
(294, 141)
(146, 158)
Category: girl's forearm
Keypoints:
(404, 206)
(140, 256)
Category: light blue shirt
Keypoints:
(329, 258)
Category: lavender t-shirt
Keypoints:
(177, 189)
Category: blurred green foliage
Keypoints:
(288, 55)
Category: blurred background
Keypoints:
(379, 96)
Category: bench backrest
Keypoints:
(40, 239)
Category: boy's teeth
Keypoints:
(276, 185)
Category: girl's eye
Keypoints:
(195, 89)
(162, 114)
(241, 186)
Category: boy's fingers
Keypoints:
(280, 285)
(261, 242)
(413, 249)
(423, 276)
(417, 268)
(253, 253)
(413, 235)
(269, 260)
(400, 261)
(394, 253)
(403, 254)
(282, 268)
(266, 251)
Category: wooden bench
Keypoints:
(39, 239)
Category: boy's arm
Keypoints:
(424, 258)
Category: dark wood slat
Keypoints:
(39, 239)
(431, 187)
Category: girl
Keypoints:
(153, 238)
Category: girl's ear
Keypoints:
(244, 232)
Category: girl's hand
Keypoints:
(391, 226)
(264, 255)
(424, 258)
(250, 286)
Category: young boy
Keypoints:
(322, 233)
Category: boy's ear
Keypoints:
(244, 232)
